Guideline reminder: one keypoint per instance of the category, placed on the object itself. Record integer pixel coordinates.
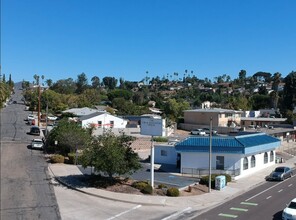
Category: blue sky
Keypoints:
(125, 38)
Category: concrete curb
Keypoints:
(114, 196)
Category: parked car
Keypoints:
(37, 144)
(280, 173)
(289, 213)
(30, 117)
(207, 130)
(35, 130)
(198, 131)
(52, 118)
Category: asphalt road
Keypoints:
(26, 192)
(263, 202)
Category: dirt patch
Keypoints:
(126, 186)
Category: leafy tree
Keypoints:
(242, 77)
(69, 136)
(111, 154)
(25, 84)
(110, 82)
(289, 93)
(81, 83)
(174, 109)
(64, 86)
(95, 82)
(49, 82)
(260, 101)
(117, 93)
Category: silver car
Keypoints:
(37, 144)
(280, 173)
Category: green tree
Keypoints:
(64, 86)
(119, 93)
(81, 83)
(95, 82)
(289, 93)
(174, 109)
(111, 154)
(49, 82)
(110, 82)
(69, 136)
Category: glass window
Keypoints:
(163, 153)
(253, 161)
(111, 124)
(265, 157)
(271, 156)
(99, 124)
(220, 162)
(246, 163)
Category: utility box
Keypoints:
(220, 182)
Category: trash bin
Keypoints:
(220, 182)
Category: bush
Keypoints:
(174, 192)
(161, 186)
(205, 179)
(160, 139)
(140, 185)
(57, 158)
(147, 189)
(71, 157)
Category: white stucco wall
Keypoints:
(199, 161)
(105, 119)
(169, 158)
(259, 164)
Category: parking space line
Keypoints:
(239, 209)
(280, 190)
(249, 203)
(227, 215)
(290, 185)
(268, 197)
(127, 211)
(177, 213)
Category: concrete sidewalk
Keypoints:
(68, 175)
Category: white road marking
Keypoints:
(268, 197)
(280, 190)
(252, 197)
(127, 211)
(177, 213)
(290, 185)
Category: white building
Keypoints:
(102, 120)
(235, 155)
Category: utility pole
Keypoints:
(39, 105)
(210, 156)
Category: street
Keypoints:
(263, 202)
(26, 192)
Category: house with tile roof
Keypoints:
(235, 155)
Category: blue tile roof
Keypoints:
(246, 144)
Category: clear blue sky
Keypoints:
(125, 38)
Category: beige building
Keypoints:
(220, 117)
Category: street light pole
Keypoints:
(152, 163)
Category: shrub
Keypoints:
(173, 192)
(147, 189)
(160, 139)
(140, 185)
(71, 157)
(57, 158)
(160, 186)
(205, 179)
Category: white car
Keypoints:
(198, 131)
(31, 117)
(37, 144)
(52, 118)
(289, 213)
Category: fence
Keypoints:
(194, 172)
